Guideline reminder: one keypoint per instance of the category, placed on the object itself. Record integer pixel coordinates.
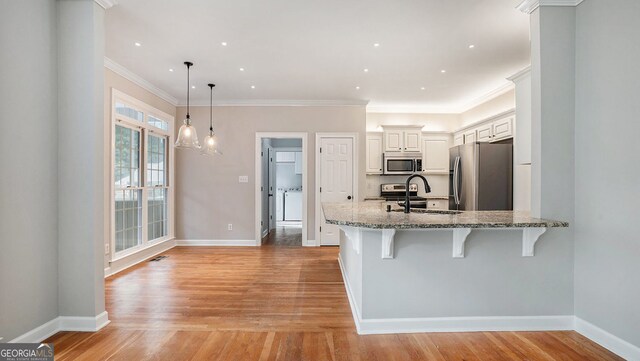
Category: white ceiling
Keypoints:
(315, 51)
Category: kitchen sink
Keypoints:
(428, 211)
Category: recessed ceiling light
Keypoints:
(241, 69)
(422, 88)
(366, 70)
(376, 45)
(193, 87)
(224, 43)
(443, 71)
(357, 88)
(253, 87)
(137, 44)
(471, 46)
(171, 70)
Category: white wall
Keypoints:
(607, 194)
(208, 195)
(28, 154)
(497, 105)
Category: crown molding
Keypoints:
(517, 76)
(107, 4)
(507, 86)
(529, 6)
(280, 103)
(131, 76)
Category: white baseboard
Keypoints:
(607, 340)
(63, 323)
(216, 242)
(310, 243)
(39, 333)
(138, 257)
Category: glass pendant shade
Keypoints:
(210, 145)
(187, 137)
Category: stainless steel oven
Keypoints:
(402, 163)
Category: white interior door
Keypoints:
(336, 181)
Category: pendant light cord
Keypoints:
(211, 109)
(188, 64)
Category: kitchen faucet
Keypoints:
(407, 202)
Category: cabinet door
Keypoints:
(503, 129)
(412, 140)
(298, 164)
(374, 154)
(393, 141)
(458, 139)
(435, 157)
(485, 133)
(470, 137)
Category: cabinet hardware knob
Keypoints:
(349, 197)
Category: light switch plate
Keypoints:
(243, 179)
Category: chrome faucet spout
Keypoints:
(407, 195)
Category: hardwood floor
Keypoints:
(273, 303)
(284, 236)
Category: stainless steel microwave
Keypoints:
(402, 163)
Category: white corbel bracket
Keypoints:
(459, 237)
(355, 236)
(530, 236)
(387, 243)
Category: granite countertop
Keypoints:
(374, 215)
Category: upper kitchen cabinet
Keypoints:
(298, 163)
(402, 139)
(374, 153)
(435, 153)
(494, 129)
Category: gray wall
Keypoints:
(208, 195)
(492, 280)
(28, 153)
(607, 269)
(80, 158)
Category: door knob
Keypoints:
(349, 197)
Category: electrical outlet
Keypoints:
(243, 179)
(230, 227)
(106, 248)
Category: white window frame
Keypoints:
(145, 128)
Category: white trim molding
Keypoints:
(136, 79)
(121, 264)
(607, 340)
(280, 103)
(216, 242)
(517, 76)
(529, 6)
(64, 323)
(106, 4)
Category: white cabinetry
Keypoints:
(374, 153)
(402, 139)
(484, 133)
(502, 129)
(494, 129)
(435, 153)
(469, 136)
(458, 139)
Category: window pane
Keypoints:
(129, 112)
(156, 158)
(128, 219)
(157, 215)
(127, 157)
(158, 123)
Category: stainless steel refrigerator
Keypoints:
(481, 177)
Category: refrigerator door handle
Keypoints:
(456, 181)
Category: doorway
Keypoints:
(336, 177)
(281, 189)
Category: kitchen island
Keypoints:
(452, 271)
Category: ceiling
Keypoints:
(303, 51)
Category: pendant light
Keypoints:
(187, 136)
(210, 146)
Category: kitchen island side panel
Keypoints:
(493, 279)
